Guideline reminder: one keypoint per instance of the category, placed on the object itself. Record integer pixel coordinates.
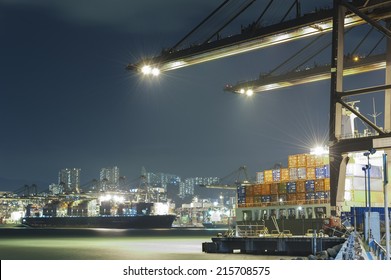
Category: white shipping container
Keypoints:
(302, 173)
(260, 178)
(293, 174)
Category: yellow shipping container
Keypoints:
(311, 160)
(310, 173)
(321, 160)
(377, 198)
(302, 160)
(292, 161)
(284, 174)
(268, 176)
(327, 184)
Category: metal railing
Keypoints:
(377, 250)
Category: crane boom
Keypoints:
(305, 26)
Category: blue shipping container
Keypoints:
(310, 196)
(291, 187)
(265, 198)
(310, 186)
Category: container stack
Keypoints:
(306, 180)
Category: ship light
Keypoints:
(16, 216)
(161, 208)
(119, 198)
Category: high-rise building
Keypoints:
(162, 180)
(186, 188)
(69, 179)
(109, 178)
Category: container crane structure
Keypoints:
(343, 14)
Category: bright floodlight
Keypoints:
(249, 92)
(146, 70)
(242, 91)
(155, 71)
(319, 151)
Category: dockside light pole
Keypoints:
(367, 154)
(365, 185)
(386, 216)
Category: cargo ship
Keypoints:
(119, 222)
(293, 200)
(78, 214)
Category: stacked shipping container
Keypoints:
(305, 181)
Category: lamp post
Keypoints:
(365, 184)
(368, 167)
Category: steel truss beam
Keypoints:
(340, 147)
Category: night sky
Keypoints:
(67, 100)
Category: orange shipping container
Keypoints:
(284, 174)
(268, 176)
(257, 190)
(291, 197)
(302, 160)
(319, 185)
(249, 201)
(292, 161)
(249, 191)
(265, 190)
(310, 173)
(273, 198)
(300, 186)
(300, 198)
(274, 188)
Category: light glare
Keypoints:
(146, 70)
(249, 92)
(155, 71)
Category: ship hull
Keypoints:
(124, 222)
(293, 226)
(216, 225)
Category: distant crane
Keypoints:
(241, 172)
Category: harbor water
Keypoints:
(18, 243)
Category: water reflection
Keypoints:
(111, 244)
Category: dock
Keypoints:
(285, 245)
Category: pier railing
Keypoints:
(377, 250)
